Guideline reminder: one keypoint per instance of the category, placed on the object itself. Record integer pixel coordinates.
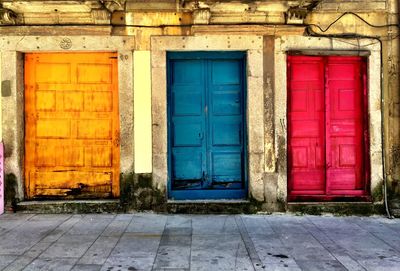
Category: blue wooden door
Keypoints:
(206, 125)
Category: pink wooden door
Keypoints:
(306, 125)
(345, 126)
(327, 136)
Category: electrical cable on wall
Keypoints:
(354, 14)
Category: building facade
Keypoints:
(268, 104)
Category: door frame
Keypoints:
(202, 193)
(358, 195)
(12, 70)
(331, 46)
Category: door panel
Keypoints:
(226, 122)
(345, 139)
(326, 143)
(71, 125)
(206, 123)
(306, 129)
(187, 123)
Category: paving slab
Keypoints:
(37, 249)
(6, 260)
(19, 264)
(221, 224)
(316, 265)
(99, 251)
(142, 263)
(116, 228)
(136, 247)
(147, 224)
(91, 224)
(69, 246)
(175, 257)
(58, 264)
(86, 267)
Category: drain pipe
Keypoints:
(383, 140)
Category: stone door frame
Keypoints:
(253, 46)
(12, 74)
(329, 46)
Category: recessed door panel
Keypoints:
(306, 129)
(345, 165)
(206, 125)
(225, 127)
(187, 166)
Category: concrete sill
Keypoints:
(60, 202)
(336, 208)
(330, 202)
(219, 201)
(69, 206)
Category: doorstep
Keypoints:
(336, 208)
(69, 206)
(211, 206)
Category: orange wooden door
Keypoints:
(71, 125)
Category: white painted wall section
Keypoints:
(142, 111)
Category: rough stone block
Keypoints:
(158, 59)
(255, 63)
(256, 182)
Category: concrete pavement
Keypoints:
(146, 241)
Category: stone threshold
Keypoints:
(329, 202)
(211, 206)
(336, 208)
(222, 201)
(69, 206)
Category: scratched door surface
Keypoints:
(345, 126)
(206, 125)
(71, 125)
(327, 127)
(306, 133)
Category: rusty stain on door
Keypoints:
(71, 125)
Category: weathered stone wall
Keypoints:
(353, 5)
(257, 27)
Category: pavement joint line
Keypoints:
(275, 232)
(18, 225)
(373, 234)
(249, 245)
(83, 254)
(159, 245)
(119, 239)
(51, 243)
(161, 239)
(191, 242)
(333, 242)
(40, 240)
(236, 254)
